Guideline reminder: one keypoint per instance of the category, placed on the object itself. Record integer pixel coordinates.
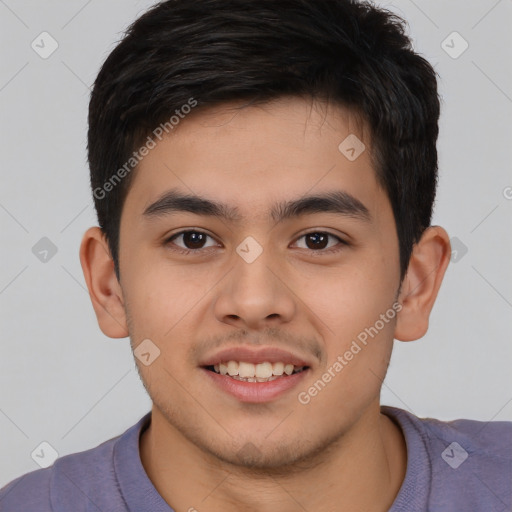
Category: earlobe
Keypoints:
(104, 289)
(429, 259)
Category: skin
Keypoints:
(204, 449)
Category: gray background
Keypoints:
(64, 382)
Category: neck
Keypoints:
(363, 470)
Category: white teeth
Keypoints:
(232, 368)
(278, 368)
(263, 370)
(255, 379)
(260, 372)
(246, 370)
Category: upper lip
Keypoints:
(255, 356)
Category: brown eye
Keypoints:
(194, 239)
(191, 240)
(319, 241)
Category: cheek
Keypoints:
(357, 327)
(348, 299)
(357, 319)
(163, 296)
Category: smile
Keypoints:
(261, 372)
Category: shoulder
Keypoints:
(31, 490)
(482, 439)
(469, 462)
(71, 481)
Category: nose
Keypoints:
(255, 295)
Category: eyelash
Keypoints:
(196, 251)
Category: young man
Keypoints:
(264, 174)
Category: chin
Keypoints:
(278, 458)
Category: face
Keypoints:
(261, 281)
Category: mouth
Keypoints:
(255, 382)
(259, 372)
(256, 374)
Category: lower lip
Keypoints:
(256, 392)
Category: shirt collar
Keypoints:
(139, 493)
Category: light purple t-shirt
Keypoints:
(455, 466)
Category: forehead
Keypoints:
(252, 156)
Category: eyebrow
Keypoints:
(337, 201)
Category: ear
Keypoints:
(104, 288)
(429, 260)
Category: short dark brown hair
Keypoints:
(347, 52)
